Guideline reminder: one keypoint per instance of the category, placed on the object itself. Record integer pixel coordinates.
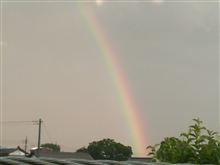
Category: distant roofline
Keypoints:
(140, 158)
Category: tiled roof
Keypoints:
(13, 160)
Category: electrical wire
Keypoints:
(14, 121)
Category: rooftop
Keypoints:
(16, 160)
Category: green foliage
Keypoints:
(82, 149)
(174, 150)
(108, 149)
(199, 145)
(51, 146)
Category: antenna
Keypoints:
(25, 144)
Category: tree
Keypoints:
(82, 149)
(107, 149)
(199, 146)
(51, 146)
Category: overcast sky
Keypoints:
(54, 70)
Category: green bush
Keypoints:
(199, 145)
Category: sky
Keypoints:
(54, 66)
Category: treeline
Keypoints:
(104, 149)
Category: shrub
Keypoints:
(199, 145)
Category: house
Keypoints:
(19, 152)
(46, 153)
(6, 151)
(12, 151)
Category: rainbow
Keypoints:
(110, 55)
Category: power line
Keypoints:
(33, 122)
(17, 122)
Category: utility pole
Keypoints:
(39, 137)
(25, 144)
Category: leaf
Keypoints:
(191, 134)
